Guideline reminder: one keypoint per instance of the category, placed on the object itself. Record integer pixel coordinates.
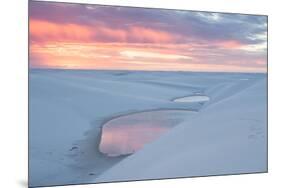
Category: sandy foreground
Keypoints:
(67, 109)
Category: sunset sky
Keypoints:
(75, 36)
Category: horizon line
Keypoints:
(77, 69)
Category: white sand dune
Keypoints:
(228, 137)
(68, 108)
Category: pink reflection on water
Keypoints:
(127, 134)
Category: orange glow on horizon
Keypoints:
(78, 46)
(122, 56)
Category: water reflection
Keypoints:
(129, 133)
(194, 98)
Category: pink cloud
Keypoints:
(44, 31)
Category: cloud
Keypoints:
(44, 31)
(87, 36)
(48, 31)
(200, 26)
(152, 55)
